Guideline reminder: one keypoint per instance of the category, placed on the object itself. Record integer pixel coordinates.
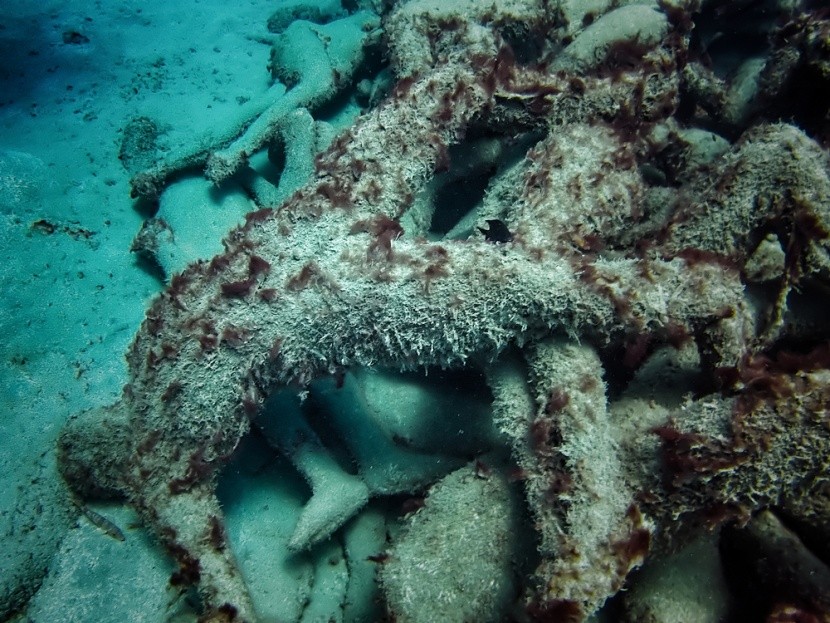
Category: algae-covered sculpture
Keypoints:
(630, 221)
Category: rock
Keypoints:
(684, 587)
(454, 561)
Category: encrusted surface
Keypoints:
(596, 272)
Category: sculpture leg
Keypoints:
(336, 494)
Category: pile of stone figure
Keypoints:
(638, 284)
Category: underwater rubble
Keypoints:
(558, 290)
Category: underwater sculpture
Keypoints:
(600, 260)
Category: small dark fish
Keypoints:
(102, 523)
(482, 470)
(496, 231)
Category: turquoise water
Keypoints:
(521, 317)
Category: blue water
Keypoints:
(380, 495)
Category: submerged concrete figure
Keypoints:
(621, 243)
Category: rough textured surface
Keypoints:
(92, 569)
(687, 587)
(581, 272)
(453, 561)
(31, 531)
